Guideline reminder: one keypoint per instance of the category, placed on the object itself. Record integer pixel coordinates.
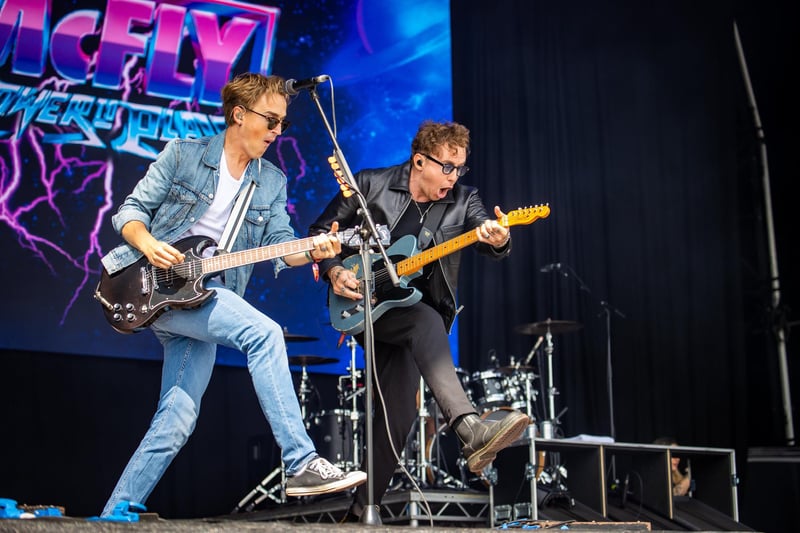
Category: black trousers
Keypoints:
(409, 342)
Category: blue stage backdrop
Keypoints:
(90, 91)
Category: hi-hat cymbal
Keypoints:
(293, 337)
(553, 326)
(306, 360)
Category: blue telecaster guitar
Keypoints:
(347, 315)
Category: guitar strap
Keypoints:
(236, 218)
(429, 228)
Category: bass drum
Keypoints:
(445, 466)
(332, 433)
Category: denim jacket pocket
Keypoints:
(182, 203)
(255, 225)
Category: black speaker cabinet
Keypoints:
(588, 477)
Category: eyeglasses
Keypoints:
(273, 121)
(447, 168)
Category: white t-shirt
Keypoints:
(213, 221)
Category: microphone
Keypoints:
(293, 87)
(551, 267)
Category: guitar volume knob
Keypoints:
(130, 317)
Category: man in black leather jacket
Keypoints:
(411, 337)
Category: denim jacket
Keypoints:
(179, 187)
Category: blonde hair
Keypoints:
(245, 90)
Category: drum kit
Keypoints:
(432, 454)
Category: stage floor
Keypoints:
(428, 510)
(68, 525)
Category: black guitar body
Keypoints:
(136, 295)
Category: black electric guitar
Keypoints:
(136, 295)
(347, 315)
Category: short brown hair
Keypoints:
(431, 135)
(245, 89)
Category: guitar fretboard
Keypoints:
(225, 261)
(417, 261)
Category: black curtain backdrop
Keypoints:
(631, 120)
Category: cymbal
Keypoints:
(553, 326)
(306, 360)
(293, 337)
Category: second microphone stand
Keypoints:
(566, 271)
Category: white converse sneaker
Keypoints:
(321, 477)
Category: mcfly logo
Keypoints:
(97, 48)
(182, 51)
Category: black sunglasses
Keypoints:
(272, 121)
(447, 168)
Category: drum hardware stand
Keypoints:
(354, 375)
(261, 492)
(530, 468)
(422, 415)
(440, 476)
(547, 424)
(265, 492)
(304, 391)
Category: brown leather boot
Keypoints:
(484, 438)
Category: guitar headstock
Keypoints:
(525, 215)
(337, 171)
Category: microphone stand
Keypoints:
(567, 271)
(371, 514)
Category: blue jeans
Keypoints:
(190, 339)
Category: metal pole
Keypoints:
(773, 256)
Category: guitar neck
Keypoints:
(417, 261)
(228, 260)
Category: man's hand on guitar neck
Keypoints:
(344, 283)
(492, 233)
